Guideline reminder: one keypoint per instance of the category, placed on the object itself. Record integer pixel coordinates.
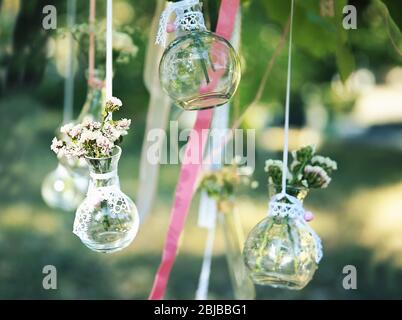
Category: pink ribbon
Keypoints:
(190, 169)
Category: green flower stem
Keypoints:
(200, 46)
(262, 246)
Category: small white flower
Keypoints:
(88, 135)
(66, 128)
(115, 101)
(61, 153)
(91, 124)
(104, 144)
(111, 132)
(324, 162)
(123, 125)
(317, 175)
(75, 131)
(56, 145)
(272, 163)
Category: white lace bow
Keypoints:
(187, 18)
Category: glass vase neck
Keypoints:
(103, 171)
(298, 192)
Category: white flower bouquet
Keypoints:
(307, 170)
(92, 138)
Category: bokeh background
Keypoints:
(346, 99)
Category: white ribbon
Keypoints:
(186, 19)
(104, 176)
(286, 133)
(109, 50)
(293, 208)
(203, 283)
(207, 211)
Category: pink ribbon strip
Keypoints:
(190, 170)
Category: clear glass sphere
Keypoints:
(62, 190)
(107, 220)
(200, 70)
(280, 253)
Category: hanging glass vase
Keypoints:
(64, 188)
(229, 221)
(199, 69)
(282, 251)
(107, 220)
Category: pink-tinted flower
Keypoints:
(123, 124)
(56, 145)
(66, 128)
(104, 144)
(88, 135)
(75, 131)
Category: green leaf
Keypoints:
(394, 33)
(345, 61)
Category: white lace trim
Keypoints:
(187, 19)
(118, 203)
(294, 210)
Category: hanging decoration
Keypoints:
(199, 69)
(282, 250)
(220, 186)
(190, 169)
(64, 188)
(107, 220)
(157, 118)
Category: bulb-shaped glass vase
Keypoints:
(107, 220)
(64, 188)
(279, 251)
(199, 70)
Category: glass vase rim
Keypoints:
(116, 153)
(191, 33)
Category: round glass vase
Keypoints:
(64, 189)
(107, 220)
(279, 252)
(199, 70)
